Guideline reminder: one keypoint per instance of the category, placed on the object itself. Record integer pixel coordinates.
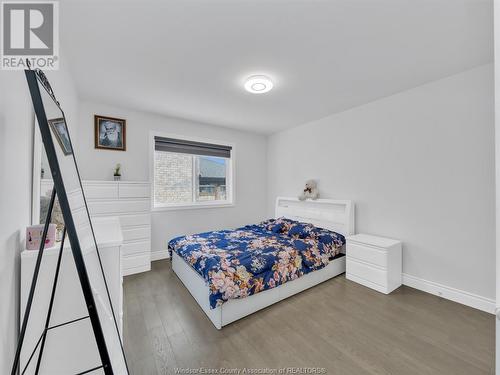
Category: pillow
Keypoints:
(275, 225)
(328, 237)
(299, 230)
(327, 243)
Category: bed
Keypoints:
(286, 262)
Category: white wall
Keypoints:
(420, 167)
(497, 179)
(15, 194)
(250, 179)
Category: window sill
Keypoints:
(192, 206)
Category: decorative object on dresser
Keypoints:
(375, 262)
(117, 175)
(34, 236)
(110, 133)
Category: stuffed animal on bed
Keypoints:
(310, 191)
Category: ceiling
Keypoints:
(189, 58)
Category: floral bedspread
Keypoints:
(241, 262)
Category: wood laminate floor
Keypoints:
(339, 325)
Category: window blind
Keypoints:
(191, 147)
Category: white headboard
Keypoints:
(332, 214)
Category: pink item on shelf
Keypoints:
(34, 236)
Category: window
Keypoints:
(193, 174)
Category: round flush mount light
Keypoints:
(258, 84)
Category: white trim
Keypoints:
(192, 206)
(102, 182)
(231, 193)
(452, 294)
(159, 254)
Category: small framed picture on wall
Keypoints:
(110, 133)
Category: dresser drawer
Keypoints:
(118, 206)
(134, 190)
(366, 272)
(136, 247)
(133, 234)
(100, 191)
(367, 254)
(132, 220)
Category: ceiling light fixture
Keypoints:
(258, 84)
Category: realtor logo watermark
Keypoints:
(30, 31)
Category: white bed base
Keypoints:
(331, 214)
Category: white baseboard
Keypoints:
(456, 295)
(159, 254)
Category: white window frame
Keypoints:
(230, 175)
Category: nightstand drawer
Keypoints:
(367, 254)
(366, 272)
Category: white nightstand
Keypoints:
(375, 262)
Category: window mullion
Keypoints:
(229, 180)
(194, 184)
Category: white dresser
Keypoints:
(69, 349)
(375, 262)
(130, 201)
